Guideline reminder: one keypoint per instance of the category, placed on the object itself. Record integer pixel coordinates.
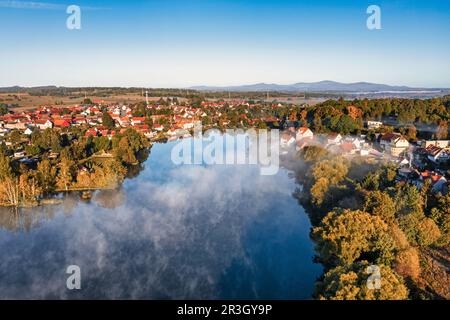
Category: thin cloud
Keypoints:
(30, 5)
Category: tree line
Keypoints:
(73, 166)
(363, 216)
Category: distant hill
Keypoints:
(31, 89)
(321, 86)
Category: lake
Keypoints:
(171, 232)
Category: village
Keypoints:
(417, 161)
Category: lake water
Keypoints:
(172, 232)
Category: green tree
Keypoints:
(15, 137)
(5, 167)
(46, 173)
(107, 120)
(124, 152)
(102, 144)
(87, 101)
(32, 150)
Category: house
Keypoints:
(357, 143)
(79, 120)
(61, 123)
(348, 147)
(286, 140)
(394, 144)
(374, 124)
(43, 124)
(334, 138)
(187, 125)
(303, 143)
(403, 162)
(303, 133)
(124, 121)
(438, 181)
(137, 120)
(437, 154)
(19, 154)
(28, 131)
(157, 117)
(15, 125)
(363, 152)
(158, 127)
(91, 132)
(150, 134)
(438, 143)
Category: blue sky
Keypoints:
(166, 43)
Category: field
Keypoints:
(26, 101)
(22, 101)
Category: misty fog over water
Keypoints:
(171, 232)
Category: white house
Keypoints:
(43, 124)
(334, 138)
(286, 140)
(394, 144)
(19, 154)
(438, 143)
(374, 124)
(437, 154)
(303, 133)
(28, 131)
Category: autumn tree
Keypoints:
(442, 130)
(9, 191)
(427, 232)
(327, 173)
(344, 235)
(380, 204)
(411, 132)
(313, 153)
(66, 174)
(407, 263)
(29, 188)
(352, 282)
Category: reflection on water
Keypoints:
(171, 232)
